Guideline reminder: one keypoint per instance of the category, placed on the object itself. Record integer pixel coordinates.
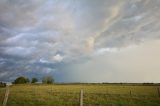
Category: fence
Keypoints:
(6, 96)
(82, 98)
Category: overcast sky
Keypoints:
(80, 40)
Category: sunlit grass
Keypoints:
(94, 95)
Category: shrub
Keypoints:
(21, 80)
(47, 80)
(34, 80)
(2, 84)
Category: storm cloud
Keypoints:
(80, 40)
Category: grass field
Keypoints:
(94, 95)
(2, 92)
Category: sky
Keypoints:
(80, 40)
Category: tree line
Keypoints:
(2, 84)
(25, 80)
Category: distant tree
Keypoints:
(34, 80)
(2, 84)
(21, 80)
(27, 80)
(47, 80)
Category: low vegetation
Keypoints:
(47, 80)
(2, 92)
(34, 80)
(2, 84)
(24, 80)
(94, 95)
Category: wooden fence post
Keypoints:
(130, 92)
(6, 96)
(158, 91)
(81, 98)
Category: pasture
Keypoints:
(94, 95)
(2, 92)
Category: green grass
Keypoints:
(94, 95)
(2, 92)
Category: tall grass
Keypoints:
(2, 92)
(94, 95)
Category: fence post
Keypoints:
(158, 91)
(81, 98)
(130, 92)
(6, 96)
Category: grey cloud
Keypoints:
(17, 13)
(136, 19)
(54, 35)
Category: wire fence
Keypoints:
(83, 98)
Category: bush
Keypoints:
(47, 80)
(34, 80)
(21, 80)
(2, 84)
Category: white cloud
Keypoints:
(104, 50)
(43, 61)
(58, 58)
